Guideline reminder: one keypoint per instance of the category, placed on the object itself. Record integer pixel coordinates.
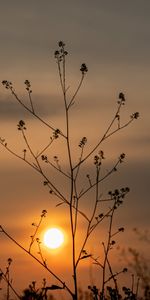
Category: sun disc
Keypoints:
(53, 238)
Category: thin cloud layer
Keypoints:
(112, 38)
(115, 33)
(45, 106)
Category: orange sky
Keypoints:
(113, 40)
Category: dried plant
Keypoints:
(73, 174)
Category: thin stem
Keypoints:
(31, 103)
(35, 258)
(106, 250)
(76, 92)
(58, 169)
(20, 157)
(113, 276)
(40, 253)
(100, 180)
(71, 199)
(76, 207)
(76, 194)
(137, 287)
(62, 76)
(8, 286)
(89, 231)
(39, 169)
(78, 168)
(80, 212)
(92, 228)
(35, 167)
(45, 148)
(105, 136)
(96, 195)
(35, 233)
(9, 283)
(33, 113)
(89, 228)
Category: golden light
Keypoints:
(53, 238)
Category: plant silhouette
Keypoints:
(103, 208)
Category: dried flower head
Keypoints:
(21, 125)
(44, 212)
(83, 142)
(83, 68)
(61, 44)
(9, 261)
(7, 84)
(56, 133)
(28, 86)
(121, 98)
(135, 115)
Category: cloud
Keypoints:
(45, 106)
(105, 32)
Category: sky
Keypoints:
(112, 38)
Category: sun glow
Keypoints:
(53, 238)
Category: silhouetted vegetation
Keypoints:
(104, 207)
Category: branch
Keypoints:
(106, 135)
(35, 258)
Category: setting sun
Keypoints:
(53, 238)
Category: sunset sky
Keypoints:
(113, 39)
